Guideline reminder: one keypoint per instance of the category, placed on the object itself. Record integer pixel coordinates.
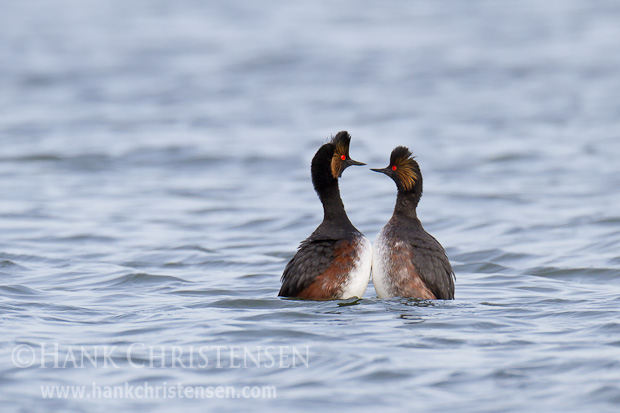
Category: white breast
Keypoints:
(380, 265)
(360, 275)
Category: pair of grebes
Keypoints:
(335, 262)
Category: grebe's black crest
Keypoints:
(342, 141)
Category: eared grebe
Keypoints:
(407, 261)
(334, 262)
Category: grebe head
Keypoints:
(340, 159)
(404, 170)
(331, 160)
(327, 166)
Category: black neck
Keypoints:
(333, 208)
(406, 204)
(326, 185)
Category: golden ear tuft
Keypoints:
(341, 143)
(407, 175)
(336, 166)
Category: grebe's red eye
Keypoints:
(343, 157)
(394, 168)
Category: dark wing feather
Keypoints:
(312, 260)
(431, 262)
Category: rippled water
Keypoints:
(155, 177)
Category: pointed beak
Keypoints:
(352, 162)
(383, 170)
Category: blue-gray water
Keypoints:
(154, 170)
